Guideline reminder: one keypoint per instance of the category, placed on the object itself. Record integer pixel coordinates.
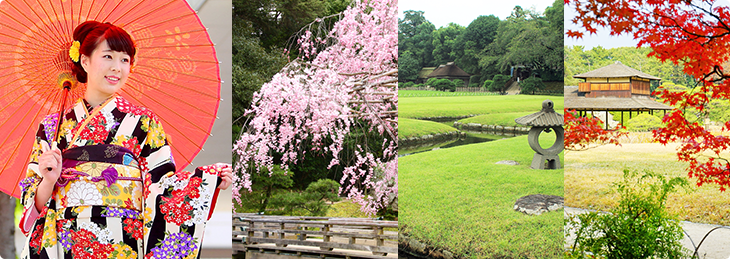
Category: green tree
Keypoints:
(276, 20)
(539, 43)
(261, 29)
(445, 44)
(477, 36)
(531, 84)
(414, 35)
(444, 84)
(253, 65)
(408, 66)
(577, 60)
(498, 83)
(487, 83)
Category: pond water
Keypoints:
(469, 138)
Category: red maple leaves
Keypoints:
(582, 133)
(694, 34)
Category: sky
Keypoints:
(601, 38)
(463, 12)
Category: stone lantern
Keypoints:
(546, 120)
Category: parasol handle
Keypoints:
(66, 89)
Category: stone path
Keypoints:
(716, 246)
(513, 89)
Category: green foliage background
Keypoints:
(487, 46)
(578, 60)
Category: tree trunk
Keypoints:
(7, 226)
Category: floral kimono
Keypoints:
(118, 195)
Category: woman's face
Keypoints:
(107, 69)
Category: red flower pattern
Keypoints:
(127, 107)
(133, 145)
(95, 130)
(175, 208)
(134, 228)
(85, 245)
(35, 240)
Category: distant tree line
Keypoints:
(578, 60)
(487, 47)
(261, 30)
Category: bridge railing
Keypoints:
(344, 237)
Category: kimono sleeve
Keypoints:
(176, 204)
(29, 185)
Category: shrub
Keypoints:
(531, 84)
(639, 227)
(444, 85)
(474, 81)
(643, 122)
(498, 83)
(431, 81)
(407, 84)
(487, 83)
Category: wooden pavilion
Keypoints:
(615, 87)
(450, 71)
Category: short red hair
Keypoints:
(91, 33)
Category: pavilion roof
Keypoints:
(615, 70)
(450, 69)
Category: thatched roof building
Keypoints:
(450, 71)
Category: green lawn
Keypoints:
(422, 107)
(417, 93)
(460, 200)
(415, 128)
(590, 174)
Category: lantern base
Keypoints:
(539, 161)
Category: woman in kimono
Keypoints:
(109, 189)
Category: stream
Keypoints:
(468, 137)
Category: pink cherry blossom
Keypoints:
(344, 80)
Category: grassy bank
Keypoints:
(589, 174)
(456, 106)
(460, 200)
(502, 119)
(415, 128)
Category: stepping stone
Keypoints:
(507, 162)
(537, 204)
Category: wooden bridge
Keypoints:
(283, 237)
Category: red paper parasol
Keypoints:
(175, 74)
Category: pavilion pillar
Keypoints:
(622, 118)
(606, 119)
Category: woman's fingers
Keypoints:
(226, 177)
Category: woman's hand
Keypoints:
(49, 166)
(50, 159)
(226, 175)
